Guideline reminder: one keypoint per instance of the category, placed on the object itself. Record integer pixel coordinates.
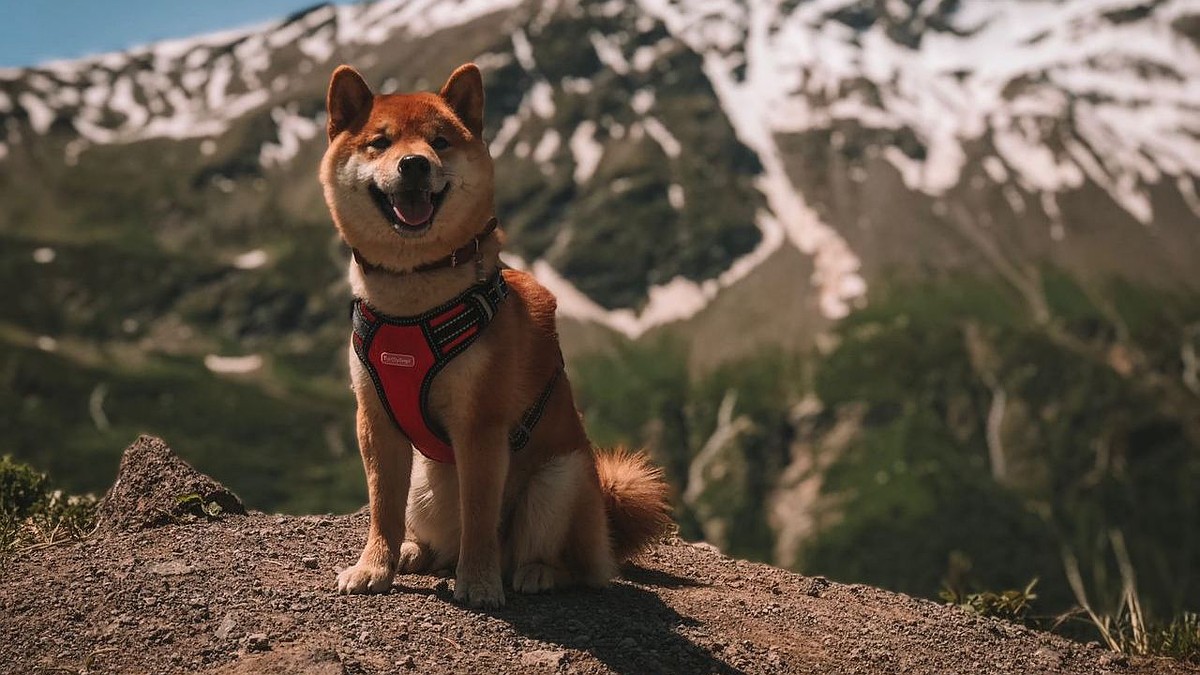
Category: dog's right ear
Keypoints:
(348, 98)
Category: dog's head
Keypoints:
(407, 177)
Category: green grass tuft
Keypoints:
(1011, 605)
(34, 515)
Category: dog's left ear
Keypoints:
(464, 92)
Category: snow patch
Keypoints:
(586, 151)
(995, 169)
(233, 365)
(41, 116)
(664, 138)
(251, 259)
(675, 196)
(546, 147)
(641, 101)
(541, 99)
(523, 50)
(293, 129)
(576, 85)
(320, 45)
(1187, 188)
(609, 52)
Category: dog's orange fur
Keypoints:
(544, 516)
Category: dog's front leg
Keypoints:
(387, 460)
(482, 473)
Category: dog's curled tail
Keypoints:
(636, 498)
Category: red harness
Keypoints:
(403, 354)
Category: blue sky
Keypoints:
(34, 31)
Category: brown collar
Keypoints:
(469, 251)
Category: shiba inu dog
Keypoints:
(459, 359)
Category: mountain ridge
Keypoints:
(849, 71)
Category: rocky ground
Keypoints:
(214, 591)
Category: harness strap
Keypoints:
(519, 437)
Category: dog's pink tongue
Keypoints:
(413, 208)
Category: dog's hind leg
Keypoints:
(540, 523)
(588, 552)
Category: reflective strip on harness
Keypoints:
(403, 354)
(519, 437)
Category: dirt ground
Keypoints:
(255, 594)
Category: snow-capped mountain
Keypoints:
(654, 153)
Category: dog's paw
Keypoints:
(534, 577)
(414, 558)
(482, 591)
(365, 578)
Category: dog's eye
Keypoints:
(379, 143)
(440, 143)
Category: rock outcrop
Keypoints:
(155, 487)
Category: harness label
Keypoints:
(401, 360)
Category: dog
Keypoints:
(457, 357)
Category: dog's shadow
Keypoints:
(625, 626)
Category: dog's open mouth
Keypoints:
(409, 211)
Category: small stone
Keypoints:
(544, 658)
(225, 629)
(309, 561)
(1114, 659)
(258, 642)
(171, 568)
(1048, 657)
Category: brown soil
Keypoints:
(254, 594)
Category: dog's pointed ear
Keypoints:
(348, 98)
(464, 92)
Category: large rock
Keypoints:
(155, 487)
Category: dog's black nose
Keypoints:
(413, 167)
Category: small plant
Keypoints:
(1178, 638)
(22, 489)
(1010, 605)
(193, 506)
(33, 515)
(1128, 631)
